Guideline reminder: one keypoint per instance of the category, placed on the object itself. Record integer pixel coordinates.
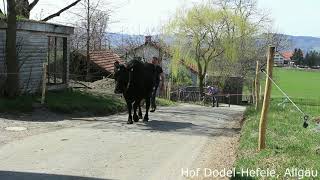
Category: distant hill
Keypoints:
(306, 43)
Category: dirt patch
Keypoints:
(37, 122)
(106, 85)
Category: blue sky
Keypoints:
(292, 17)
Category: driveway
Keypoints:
(176, 140)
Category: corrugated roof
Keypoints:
(105, 59)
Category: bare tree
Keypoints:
(90, 30)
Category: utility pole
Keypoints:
(266, 101)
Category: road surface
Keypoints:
(175, 139)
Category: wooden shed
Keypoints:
(38, 43)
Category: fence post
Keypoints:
(253, 92)
(256, 87)
(44, 83)
(266, 101)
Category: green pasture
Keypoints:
(289, 145)
(296, 83)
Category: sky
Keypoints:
(293, 17)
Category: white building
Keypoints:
(147, 51)
(278, 59)
(283, 59)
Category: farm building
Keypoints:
(39, 43)
(283, 59)
(150, 49)
(101, 65)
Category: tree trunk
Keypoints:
(12, 83)
(201, 84)
(88, 40)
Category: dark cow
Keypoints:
(135, 81)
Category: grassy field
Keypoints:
(289, 145)
(297, 83)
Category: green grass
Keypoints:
(67, 101)
(77, 101)
(165, 102)
(296, 83)
(289, 145)
(72, 101)
(18, 104)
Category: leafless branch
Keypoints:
(33, 4)
(61, 11)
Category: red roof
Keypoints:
(192, 67)
(287, 55)
(105, 59)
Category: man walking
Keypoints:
(212, 91)
(159, 78)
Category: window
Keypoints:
(57, 60)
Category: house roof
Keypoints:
(191, 67)
(153, 44)
(287, 55)
(105, 59)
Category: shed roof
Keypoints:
(40, 26)
(105, 59)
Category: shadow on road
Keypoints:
(13, 175)
(187, 128)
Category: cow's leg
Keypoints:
(146, 117)
(135, 106)
(129, 106)
(140, 112)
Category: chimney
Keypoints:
(147, 39)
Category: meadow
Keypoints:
(289, 145)
(297, 83)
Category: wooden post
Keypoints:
(253, 92)
(44, 83)
(266, 101)
(256, 86)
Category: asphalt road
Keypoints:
(186, 136)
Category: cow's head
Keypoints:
(121, 76)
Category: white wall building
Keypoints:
(147, 51)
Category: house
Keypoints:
(101, 65)
(150, 49)
(287, 58)
(39, 43)
(283, 58)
